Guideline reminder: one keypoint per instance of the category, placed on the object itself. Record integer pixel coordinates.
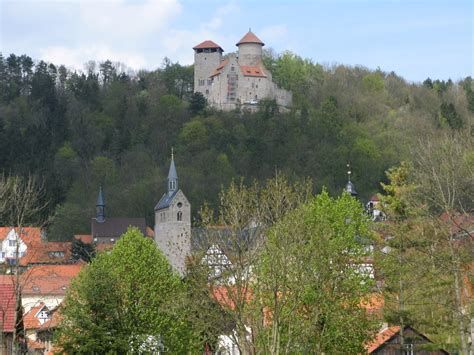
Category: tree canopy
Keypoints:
(127, 299)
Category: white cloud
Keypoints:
(126, 21)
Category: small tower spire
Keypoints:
(172, 176)
(100, 206)
(350, 188)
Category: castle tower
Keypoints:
(173, 223)
(207, 57)
(100, 207)
(250, 50)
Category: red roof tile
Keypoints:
(221, 66)
(7, 307)
(30, 320)
(252, 71)
(207, 44)
(250, 38)
(37, 345)
(382, 337)
(49, 279)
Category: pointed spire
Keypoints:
(350, 188)
(100, 206)
(172, 176)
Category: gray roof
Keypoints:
(165, 200)
(100, 198)
(172, 174)
(115, 227)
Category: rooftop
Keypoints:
(207, 44)
(250, 37)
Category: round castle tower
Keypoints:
(250, 50)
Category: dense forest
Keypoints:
(114, 127)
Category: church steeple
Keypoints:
(100, 206)
(172, 176)
(350, 188)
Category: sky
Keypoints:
(414, 38)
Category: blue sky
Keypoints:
(416, 39)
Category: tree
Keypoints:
(197, 103)
(126, 300)
(245, 213)
(444, 172)
(309, 285)
(82, 251)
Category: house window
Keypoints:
(209, 81)
(207, 92)
(201, 82)
(180, 216)
(55, 254)
(232, 68)
(2, 255)
(12, 242)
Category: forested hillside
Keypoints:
(111, 127)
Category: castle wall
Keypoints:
(250, 54)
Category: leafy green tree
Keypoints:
(197, 103)
(309, 284)
(125, 301)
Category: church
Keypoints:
(236, 80)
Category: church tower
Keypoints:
(173, 223)
(100, 206)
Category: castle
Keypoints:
(237, 79)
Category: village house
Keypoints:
(29, 245)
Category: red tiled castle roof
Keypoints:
(207, 44)
(250, 38)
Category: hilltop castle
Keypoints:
(237, 79)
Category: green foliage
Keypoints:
(122, 297)
(78, 130)
(307, 281)
(373, 83)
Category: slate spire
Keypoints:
(172, 176)
(350, 188)
(100, 206)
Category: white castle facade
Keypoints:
(237, 79)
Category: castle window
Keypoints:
(256, 98)
(207, 92)
(232, 68)
(209, 81)
(179, 216)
